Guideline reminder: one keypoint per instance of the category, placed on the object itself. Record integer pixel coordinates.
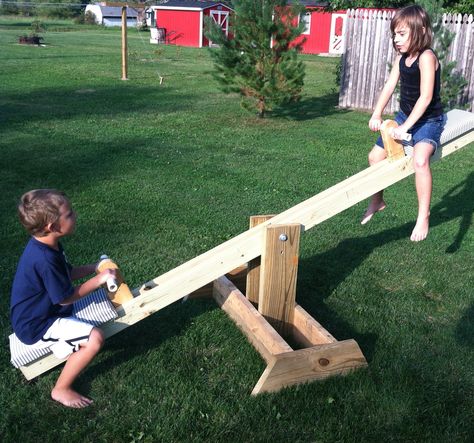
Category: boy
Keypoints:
(42, 291)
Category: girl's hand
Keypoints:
(399, 133)
(374, 123)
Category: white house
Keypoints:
(111, 16)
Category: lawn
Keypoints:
(160, 173)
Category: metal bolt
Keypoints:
(283, 237)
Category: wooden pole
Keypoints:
(124, 44)
(278, 273)
(253, 270)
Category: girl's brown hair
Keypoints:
(40, 207)
(418, 22)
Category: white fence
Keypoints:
(369, 53)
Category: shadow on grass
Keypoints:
(458, 202)
(465, 328)
(149, 334)
(310, 108)
(92, 101)
(329, 269)
(324, 272)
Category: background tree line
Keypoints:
(74, 8)
(44, 8)
(458, 6)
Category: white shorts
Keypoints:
(65, 336)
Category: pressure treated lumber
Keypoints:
(205, 268)
(257, 330)
(393, 147)
(189, 276)
(306, 365)
(279, 271)
(123, 293)
(286, 367)
(253, 273)
(307, 331)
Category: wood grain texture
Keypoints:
(253, 273)
(203, 269)
(278, 275)
(305, 365)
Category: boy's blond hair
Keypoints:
(40, 207)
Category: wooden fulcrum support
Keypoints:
(323, 355)
(278, 315)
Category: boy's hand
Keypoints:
(105, 275)
(374, 123)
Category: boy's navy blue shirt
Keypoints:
(42, 281)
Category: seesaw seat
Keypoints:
(95, 309)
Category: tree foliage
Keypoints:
(452, 81)
(260, 62)
(458, 6)
(44, 8)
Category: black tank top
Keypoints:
(410, 89)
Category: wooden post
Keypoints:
(124, 44)
(123, 293)
(393, 147)
(253, 270)
(279, 269)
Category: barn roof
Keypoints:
(194, 4)
(112, 11)
(204, 4)
(309, 3)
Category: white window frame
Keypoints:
(305, 17)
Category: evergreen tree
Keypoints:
(260, 61)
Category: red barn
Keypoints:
(181, 22)
(323, 30)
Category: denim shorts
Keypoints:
(427, 130)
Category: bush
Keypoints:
(85, 18)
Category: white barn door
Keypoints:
(222, 19)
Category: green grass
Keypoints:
(161, 173)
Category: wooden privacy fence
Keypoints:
(369, 53)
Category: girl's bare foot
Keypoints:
(371, 210)
(70, 398)
(420, 231)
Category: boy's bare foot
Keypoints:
(70, 398)
(371, 210)
(420, 231)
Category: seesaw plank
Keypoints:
(239, 250)
(209, 266)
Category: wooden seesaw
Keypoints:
(271, 282)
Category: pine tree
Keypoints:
(260, 61)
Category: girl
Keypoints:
(421, 112)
